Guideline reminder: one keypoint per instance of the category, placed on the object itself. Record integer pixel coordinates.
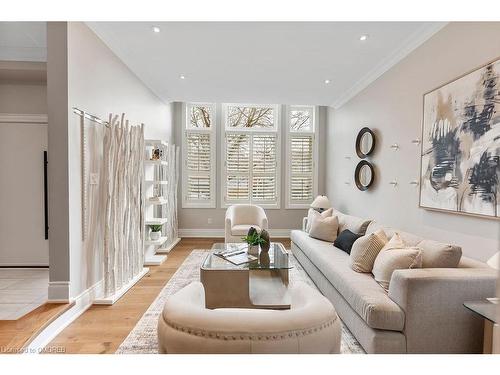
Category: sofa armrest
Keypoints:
(432, 299)
(304, 223)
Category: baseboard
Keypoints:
(59, 292)
(115, 297)
(22, 265)
(219, 233)
(80, 304)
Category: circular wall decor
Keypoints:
(365, 142)
(364, 175)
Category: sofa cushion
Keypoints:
(345, 240)
(408, 238)
(439, 255)
(312, 214)
(360, 290)
(365, 251)
(324, 228)
(353, 223)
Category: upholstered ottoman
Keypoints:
(310, 326)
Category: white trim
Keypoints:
(417, 38)
(23, 118)
(124, 289)
(219, 233)
(59, 292)
(315, 135)
(24, 265)
(212, 132)
(81, 303)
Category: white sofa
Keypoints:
(239, 219)
(421, 313)
(310, 326)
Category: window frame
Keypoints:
(289, 204)
(251, 133)
(212, 132)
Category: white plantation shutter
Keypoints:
(302, 168)
(199, 156)
(264, 168)
(237, 167)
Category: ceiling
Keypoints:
(23, 41)
(245, 62)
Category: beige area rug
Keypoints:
(143, 338)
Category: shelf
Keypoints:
(157, 202)
(157, 242)
(154, 260)
(167, 249)
(156, 162)
(157, 182)
(124, 289)
(156, 221)
(155, 142)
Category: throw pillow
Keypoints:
(395, 256)
(365, 250)
(439, 255)
(312, 213)
(324, 229)
(345, 240)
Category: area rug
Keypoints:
(143, 338)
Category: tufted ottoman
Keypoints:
(310, 326)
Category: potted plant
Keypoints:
(155, 232)
(254, 240)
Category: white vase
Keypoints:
(253, 250)
(154, 235)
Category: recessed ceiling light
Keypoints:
(182, 76)
(327, 81)
(156, 29)
(363, 37)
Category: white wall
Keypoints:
(197, 218)
(23, 98)
(99, 83)
(392, 107)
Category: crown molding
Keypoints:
(23, 118)
(411, 43)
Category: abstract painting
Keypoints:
(460, 160)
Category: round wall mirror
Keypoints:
(365, 143)
(364, 175)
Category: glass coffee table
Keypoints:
(260, 284)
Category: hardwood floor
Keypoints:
(17, 334)
(101, 329)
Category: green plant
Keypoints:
(253, 239)
(155, 227)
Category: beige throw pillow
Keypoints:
(324, 229)
(365, 250)
(439, 255)
(395, 256)
(312, 213)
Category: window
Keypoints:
(251, 155)
(302, 173)
(198, 177)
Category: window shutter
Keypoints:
(301, 168)
(198, 165)
(264, 168)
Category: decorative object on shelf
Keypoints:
(321, 203)
(460, 161)
(364, 175)
(254, 240)
(155, 232)
(264, 234)
(156, 154)
(365, 142)
(395, 146)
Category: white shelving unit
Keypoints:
(154, 180)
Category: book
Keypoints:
(236, 253)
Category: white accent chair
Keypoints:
(239, 219)
(187, 327)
